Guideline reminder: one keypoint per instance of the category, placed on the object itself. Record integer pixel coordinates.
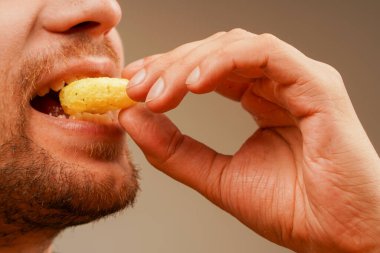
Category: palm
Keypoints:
(268, 193)
(285, 182)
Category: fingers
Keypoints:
(164, 80)
(232, 89)
(179, 156)
(141, 71)
(266, 113)
(228, 63)
(293, 81)
(206, 65)
(256, 57)
(131, 69)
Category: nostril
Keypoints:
(94, 18)
(87, 25)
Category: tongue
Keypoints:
(48, 104)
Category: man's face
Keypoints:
(54, 171)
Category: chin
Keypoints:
(86, 171)
(68, 172)
(47, 187)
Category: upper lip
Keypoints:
(73, 69)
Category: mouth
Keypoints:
(47, 101)
(45, 98)
(83, 142)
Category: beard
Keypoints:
(39, 192)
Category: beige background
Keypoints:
(170, 218)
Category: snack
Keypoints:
(95, 95)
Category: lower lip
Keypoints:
(78, 128)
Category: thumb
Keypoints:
(175, 154)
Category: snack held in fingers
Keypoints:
(95, 95)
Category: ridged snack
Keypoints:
(95, 95)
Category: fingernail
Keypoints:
(136, 64)
(156, 90)
(137, 78)
(194, 76)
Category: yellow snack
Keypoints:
(95, 95)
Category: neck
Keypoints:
(28, 249)
(31, 242)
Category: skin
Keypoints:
(308, 179)
(323, 182)
(57, 173)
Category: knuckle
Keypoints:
(183, 47)
(181, 64)
(177, 139)
(272, 43)
(269, 38)
(329, 80)
(151, 58)
(331, 72)
(165, 74)
(334, 72)
(222, 52)
(164, 61)
(178, 51)
(240, 32)
(218, 34)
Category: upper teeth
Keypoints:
(43, 91)
(58, 86)
(55, 86)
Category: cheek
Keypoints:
(11, 118)
(13, 104)
(17, 19)
(116, 42)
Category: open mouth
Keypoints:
(47, 102)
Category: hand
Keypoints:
(308, 179)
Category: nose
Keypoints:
(94, 17)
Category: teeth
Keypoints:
(62, 116)
(70, 80)
(42, 92)
(58, 86)
(55, 87)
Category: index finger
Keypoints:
(264, 55)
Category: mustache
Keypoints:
(80, 45)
